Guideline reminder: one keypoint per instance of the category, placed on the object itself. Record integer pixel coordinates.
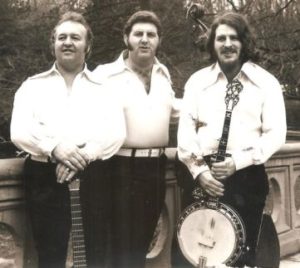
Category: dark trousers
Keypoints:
(48, 205)
(246, 192)
(95, 195)
(138, 198)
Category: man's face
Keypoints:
(143, 41)
(227, 46)
(70, 45)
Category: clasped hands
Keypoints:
(210, 180)
(70, 160)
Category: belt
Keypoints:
(141, 152)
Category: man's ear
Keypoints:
(88, 49)
(159, 43)
(125, 38)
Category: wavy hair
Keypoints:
(142, 16)
(74, 17)
(244, 32)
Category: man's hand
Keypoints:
(71, 156)
(222, 170)
(210, 185)
(63, 173)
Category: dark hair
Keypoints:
(244, 32)
(74, 17)
(142, 16)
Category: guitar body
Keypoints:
(78, 243)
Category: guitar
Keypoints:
(78, 245)
(209, 232)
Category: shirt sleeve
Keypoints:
(273, 129)
(189, 150)
(176, 107)
(26, 132)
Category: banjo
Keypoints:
(209, 232)
(78, 245)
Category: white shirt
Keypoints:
(147, 115)
(45, 113)
(258, 123)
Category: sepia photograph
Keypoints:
(149, 133)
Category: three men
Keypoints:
(69, 124)
(257, 129)
(144, 85)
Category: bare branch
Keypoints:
(232, 4)
(284, 7)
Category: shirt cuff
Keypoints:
(91, 153)
(196, 170)
(47, 146)
(242, 159)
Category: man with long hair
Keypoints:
(257, 128)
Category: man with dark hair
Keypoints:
(144, 85)
(69, 124)
(257, 128)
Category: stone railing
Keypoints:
(283, 204)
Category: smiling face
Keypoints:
(227, 47)
(142, 42)
(70, 45)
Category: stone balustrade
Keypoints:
(283, 204)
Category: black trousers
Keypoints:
(138, 198)
(48, 204)
(246, 192)
(95, 195)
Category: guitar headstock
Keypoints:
(74, 185)
(232, 94)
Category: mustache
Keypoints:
(65, 49)
(229, 49)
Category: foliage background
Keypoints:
(26, 24)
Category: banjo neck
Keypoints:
(231, 99)
(78, 245)
(221, 153)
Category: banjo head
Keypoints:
(212, 230)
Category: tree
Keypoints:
(26, 25)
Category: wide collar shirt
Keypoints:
(258, 121)
(147, 114)
(46, 113)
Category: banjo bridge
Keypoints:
(207, 242)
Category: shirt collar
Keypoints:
(251, 71)
(248, 70)
(54, 71)
(120, 66)
(212, 75)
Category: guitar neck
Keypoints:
(79, 254)
(221, 154)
